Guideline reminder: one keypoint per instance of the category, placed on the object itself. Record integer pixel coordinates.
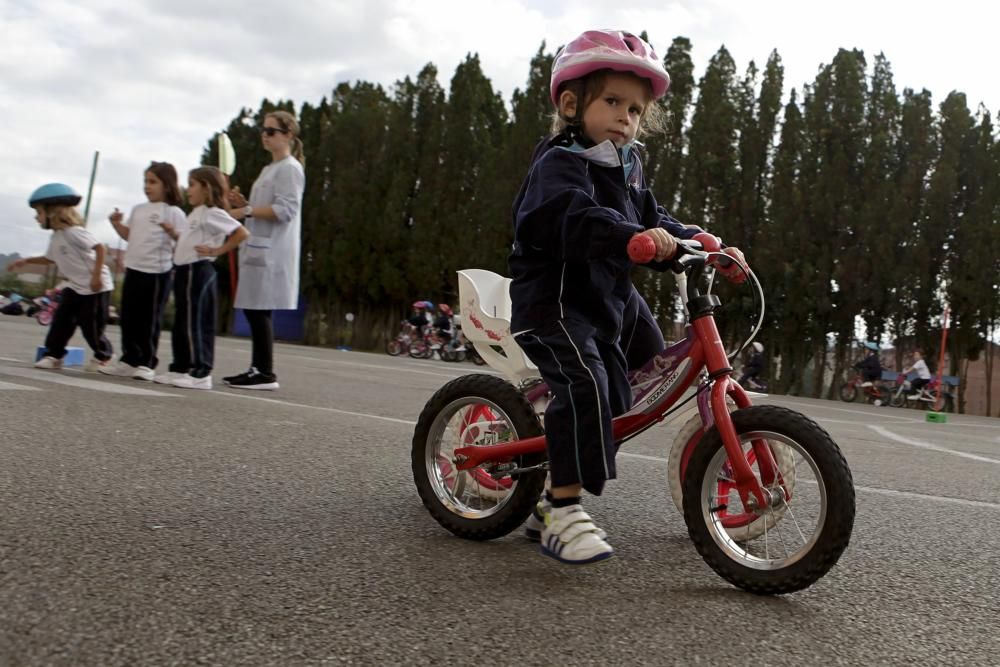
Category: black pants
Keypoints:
(589, 384)
(144, 298)
(193, 336)
(262, 335)
(90, 313)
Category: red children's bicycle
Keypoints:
(767, 496)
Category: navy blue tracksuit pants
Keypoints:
(144, 299)
(589, 384)
(193, 335)
(87, 311)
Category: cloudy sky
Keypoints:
(144, 80)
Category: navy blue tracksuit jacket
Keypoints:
(573, 218)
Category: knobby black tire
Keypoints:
(529, 485)
(848, 392)
(836, 476)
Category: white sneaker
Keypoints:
(572, 538)
(188, 382)
(95, 365)
(535, 524)
(121, 369)
(144, 373)
(167, 378)
(48, 362)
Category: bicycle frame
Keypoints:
(682, 365)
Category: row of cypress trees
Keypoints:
(854, 203)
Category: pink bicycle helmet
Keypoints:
(608, 49)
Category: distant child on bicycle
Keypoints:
(574, 216)
(923, 374)
(870, 367)
(80, 258)
(421, 316)
(753, 367)
(444, 328)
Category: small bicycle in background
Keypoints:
(46, 307)
(401, 343)
(766, 494)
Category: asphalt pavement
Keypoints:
(147, 525)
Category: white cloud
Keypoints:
(144, 80)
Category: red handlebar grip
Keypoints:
(641, 249)
(709, 242)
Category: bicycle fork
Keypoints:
(713, 409)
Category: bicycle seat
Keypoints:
(485, 306)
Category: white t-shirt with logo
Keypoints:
(205, 226)
(72, 249)
(150, 249)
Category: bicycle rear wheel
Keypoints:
(792, 553)
(481, 503)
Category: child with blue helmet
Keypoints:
(79, 258)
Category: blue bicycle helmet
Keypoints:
(429, 305)
(872, 346)
(54, 193)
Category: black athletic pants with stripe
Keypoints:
(144, 298)
(589, 383)
(193, 335)
(90, 313)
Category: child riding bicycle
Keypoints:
(575, 214)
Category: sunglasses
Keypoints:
(271, 131)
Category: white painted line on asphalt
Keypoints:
(910, 495)
(56, 378)
(317, 407)
(839, 421)
(382, 367)
(7, 386)
(821, 406)
(926, 445)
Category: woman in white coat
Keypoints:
(269, 260)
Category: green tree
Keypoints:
(474, 211)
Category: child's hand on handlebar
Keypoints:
(666, 245)
(731, 270)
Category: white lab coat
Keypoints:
(269, 258)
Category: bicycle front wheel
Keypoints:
(805, 530)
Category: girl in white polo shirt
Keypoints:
(210, 232)
(80, 259)
(150, 231)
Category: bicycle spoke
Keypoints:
(788, 509)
